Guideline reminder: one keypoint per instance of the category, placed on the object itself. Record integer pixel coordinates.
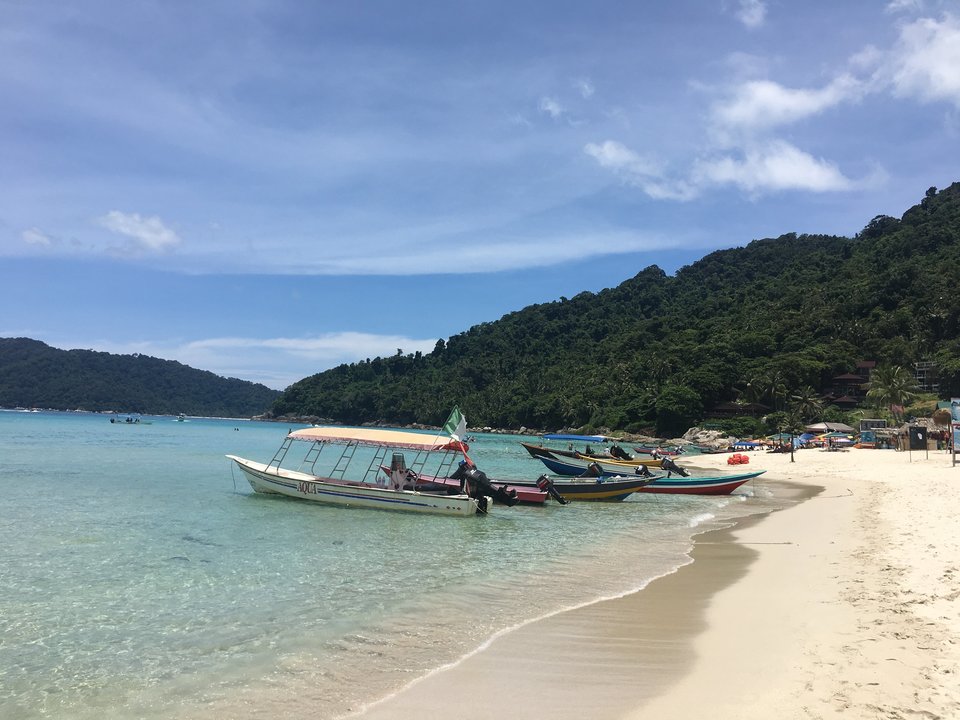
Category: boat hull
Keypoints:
(621, 465)
(719, 485)
(525, 494)
(602, 489)
(675, 485)
(290, 483)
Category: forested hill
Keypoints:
(33, 374)
(791, 312)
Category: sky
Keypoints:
(269, 188)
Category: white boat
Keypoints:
(433, 454)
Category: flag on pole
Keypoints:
(456, 424)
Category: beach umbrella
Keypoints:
(829, 427)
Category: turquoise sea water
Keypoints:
(142, 578)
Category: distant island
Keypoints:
(35, 375)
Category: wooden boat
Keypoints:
(395, 492)
(659, 451)
(602, 488)
(661, 483)
(576, 464)
(539, 451)
(694, 485)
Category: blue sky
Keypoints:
(266, 189)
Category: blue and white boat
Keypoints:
(662, 483)
(436, 453)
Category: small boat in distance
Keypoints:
(181, 417)
(129, 420)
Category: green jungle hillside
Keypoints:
(33, 374)
(774, 320)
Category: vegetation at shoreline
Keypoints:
(33, 374)
(772, 322)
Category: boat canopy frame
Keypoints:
(383, 442)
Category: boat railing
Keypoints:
(418, 464)
(281, 453)
(343, 462)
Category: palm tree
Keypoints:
(806, 403)
(892, 386)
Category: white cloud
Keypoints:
(35, 236)
(926, 61)
(764, 104)
(896, 6)
(148, 233)
(288, 359)
(774, 166)
(638, 171)
(551, 107)
(752, 13)
(584, 87)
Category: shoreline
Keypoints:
(837, 604)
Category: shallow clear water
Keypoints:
(142, 578)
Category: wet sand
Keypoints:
(844, 604)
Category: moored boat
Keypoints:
(539, 451)
(598, 488)
(693, 485)
(661, 482)
(395, 492)
(574, 465)
(525, 495)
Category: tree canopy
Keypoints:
(33, 374)
(771, 321)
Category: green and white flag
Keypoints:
(456, 424)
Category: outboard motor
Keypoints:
(546, 485)
(643, 471)
(593, 470)
(619, 453)
(480, 486)
(398, 471)
(671, 467)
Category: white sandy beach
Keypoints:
(843, 605)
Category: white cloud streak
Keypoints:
(35, 236)
(898, 6)
(552, 107)
(752, 13)
(147, 233)
(764, 104)
(638, 171)
(584, 87)
(772, 167)
(288, 359)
